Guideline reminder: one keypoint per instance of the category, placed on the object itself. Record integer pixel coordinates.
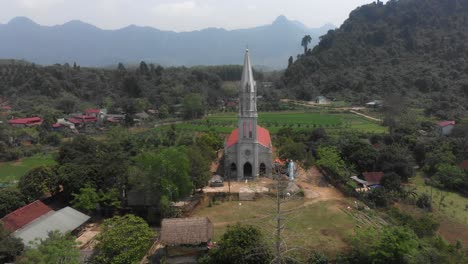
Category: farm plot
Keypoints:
(12, 171)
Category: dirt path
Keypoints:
(316, 188)
(366, 116)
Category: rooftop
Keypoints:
(262, 134)
(25, 215)
(63, 220)
(186, 231)
(446, 123)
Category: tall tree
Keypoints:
(305, 42)
(10, 200)
(39, 182)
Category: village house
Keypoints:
(444, 128)
(186, 238)
(369, 179)
(322, 100)
(25, 122)
(375, 104)
(36, 220)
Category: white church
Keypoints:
(248, 149)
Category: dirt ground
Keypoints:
(315, 187)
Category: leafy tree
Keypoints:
(193, 106)
(424, 202)
(10, 200)
(56, 248)
(293, 150)
(240, 244)
(10, 246)
(328, 158)
(396, 158)
(124, 239)
(450, 176)
(389, 245)
(290, 61)
(87, 199)
(199, 166)
(131, 87)
(305, 42)
(391, 182)
(39, 182)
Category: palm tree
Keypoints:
(305, 42)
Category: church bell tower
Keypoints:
(247, 121)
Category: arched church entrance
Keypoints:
(262, 169)
(248, 170)
(233, 170)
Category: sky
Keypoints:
(179, 15)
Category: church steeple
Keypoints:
(248, 103)
(248, 90)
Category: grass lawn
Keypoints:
(13, 170)
(321, 225)
(450, 208)
(297, 120)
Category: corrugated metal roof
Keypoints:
(63, 220)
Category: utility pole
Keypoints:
(278, 223)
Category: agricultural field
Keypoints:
(298, 120)
(13, 170)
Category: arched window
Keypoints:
(262, 169)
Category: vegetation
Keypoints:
(414, 49)
(124, 239)
(10, 247)
(56, 248)
(12, 171)
(240, 244)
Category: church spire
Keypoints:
(247, 82)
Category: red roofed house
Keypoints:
(248, 148)
(25, 215)
(92, 112)
(373, 178)
(464, 165)
(24, 122)
(445, 128)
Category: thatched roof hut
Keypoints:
(186, 231)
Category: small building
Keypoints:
(186, 238)
(322, 100)
(375, 104)
(373, 178)
(92, 112)
(445, 128)
(26, 122)
(36, 220)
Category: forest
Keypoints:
(414, 50)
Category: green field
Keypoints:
(450, 204)
(12, 171)
(322, 225)
(297, 120)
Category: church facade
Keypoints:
(248, 149)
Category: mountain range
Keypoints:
(88, 45)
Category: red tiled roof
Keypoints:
(373, 177)
(25, 215)
(445, 123)
(56, 125)
(262, 134)
(6, 107)
(74, 120)
(92, 111)
(85, 118)
(464, 165)
(25, 121)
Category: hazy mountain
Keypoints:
(88, 45)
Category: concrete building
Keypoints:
(248, 148)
